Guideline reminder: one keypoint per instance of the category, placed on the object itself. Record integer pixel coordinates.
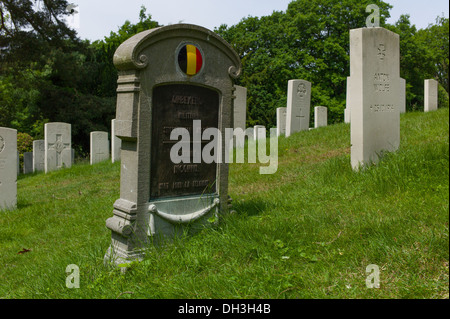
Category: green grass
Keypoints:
(308, 231)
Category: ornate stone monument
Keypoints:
(170, 78)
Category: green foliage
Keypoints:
(24, 143)
(307, 232)
(309, 41)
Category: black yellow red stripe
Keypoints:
(190, 59)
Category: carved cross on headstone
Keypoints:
(58, 146)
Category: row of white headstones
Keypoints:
(375, 99)
(52, 153)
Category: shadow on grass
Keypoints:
(251, 207)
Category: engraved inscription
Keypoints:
(58, 146)
(2, 164)
(382, 108)
(177, 106)
(301, 90)
(381, 51)
(381, 82)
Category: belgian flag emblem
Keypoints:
(190, 59)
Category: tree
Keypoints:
(309, 41)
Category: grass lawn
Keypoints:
(308, 231)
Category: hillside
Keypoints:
(308, 231)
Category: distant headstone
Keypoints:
(58, 143)
(431, 95)
(402, 104)
(28, 162)
(374, 95)
(240, 107)
(38, 155)
(281, 121)
(240, 110)
(320, 116)
(259, 132)
(116, 144)
(8, 168)
(171, 80)
(347, 113)
(298, 106)
(99, 147)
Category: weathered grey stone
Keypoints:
(58, 143)
(298, 106)
(99, 147)
(160, 89)
(402, 103)
(320, 116)
(348, 100)
(28, 162)
(431, 95)
(240, 111)
(116, 144)
(38, 155)
(374, 96)
(281, 121)
(8, 168)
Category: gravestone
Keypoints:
(170, 80)
(240, 111)
(374, 95)
(259, 132)
(28, 162)
(431, 95)
(58, 143)
(99, 147)
(320, 116)
(281, 121)
(402, 104)
(38, 155)
(116, 143)
(8, 168)
(347, 102)
(298, 106)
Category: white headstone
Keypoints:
(281, 121)
(374, 95)
(347, 102)
(28, 162)
(402, 105)
(298, 106)
(431, 95)
(38, 155)
(58, 143)
(99, 146)
(239, 111)
(259, 132)
(116, 143)
(240, 107)
(320, 116)
(8, 168)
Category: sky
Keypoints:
(97, 18)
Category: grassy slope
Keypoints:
(308, 231)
